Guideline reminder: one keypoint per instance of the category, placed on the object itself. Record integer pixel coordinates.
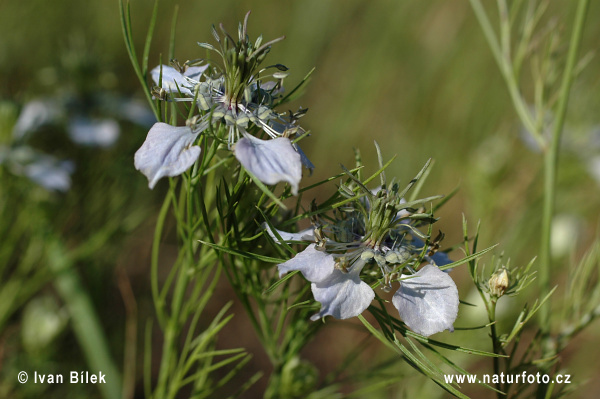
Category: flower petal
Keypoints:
(94, 132)
(167, 151)
(195, 72)
(51, 173)
(342, 295)
(305, 161)
(441, 259)
(271, 161)
(428, 303)
(304, 235)
(314, 265)
(36, 114)
(174, 81)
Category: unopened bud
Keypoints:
(498, 283)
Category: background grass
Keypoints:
(417, 77)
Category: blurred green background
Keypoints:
(417, 77)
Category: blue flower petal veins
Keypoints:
(271, 161)
(427, 302)
(167, 151)
(175, 81)
(342, 295)
(314, 265)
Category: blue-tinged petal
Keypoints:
(271, 161)
(428, 303)
(36, 114)
(342, 295)
(305, 161)
(51, 173)
(438, 259)
(195, 72)
(304, 235)
(314, 265)
(167, 151)
(441, 259)
(175, 81)
(94, 132)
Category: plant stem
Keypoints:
(85, 323)
(505, 66)
(550, 169)
(495, 343)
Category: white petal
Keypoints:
(167, 151)
(342, 295)
(271, 161)
(304, 235)
(195, 72)
(51, 173)
(402, 213)
(174, 81)
(36, 114)
(428, 303)
(99, 132)
(314, 265)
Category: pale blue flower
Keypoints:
(168, 151)
(35, 114)
(93, 132)
(51, 173)
(427, 302)
(239, 98)
(47, 171)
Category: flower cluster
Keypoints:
(377, 232)
(235, 100)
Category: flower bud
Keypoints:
(498, 283)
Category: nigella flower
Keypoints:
(236, 96)
(374, 233)
(45, 170)
(93, 132)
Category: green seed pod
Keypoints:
(367, 255)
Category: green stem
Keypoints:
(508, 74)
(84, 320)
(550, 168)
(174, 324)
(495, 343)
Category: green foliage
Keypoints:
(414, 77)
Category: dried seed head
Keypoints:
(498, 283)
